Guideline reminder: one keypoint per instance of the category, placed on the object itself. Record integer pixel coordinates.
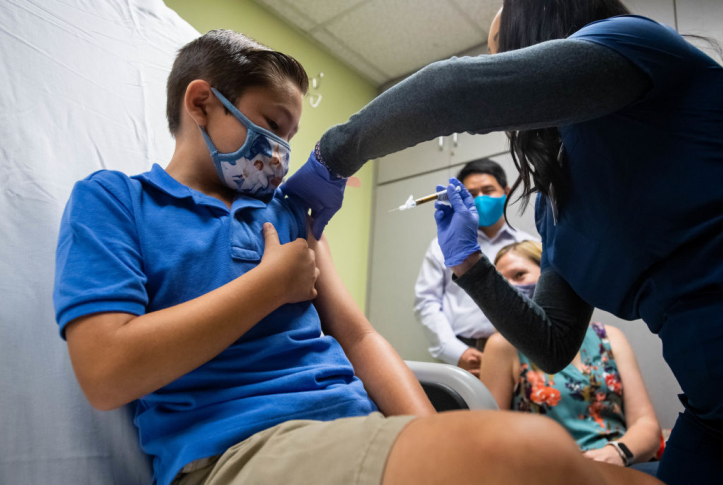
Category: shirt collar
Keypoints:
(504, 231)
(161, 180)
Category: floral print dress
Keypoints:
(588, 402)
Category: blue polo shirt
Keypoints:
(643, 223)
(145, 243)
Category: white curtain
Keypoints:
(82, 88)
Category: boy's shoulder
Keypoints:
(104, 188)
(109, 177)
(111, 180)
(293, 207)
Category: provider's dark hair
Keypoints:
(484, 166)
(524, 23)
(231, 63)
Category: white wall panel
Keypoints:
(434, 155)
(425, 157)
(662, 11)
(400, 240)
(701, 17)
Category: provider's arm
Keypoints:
(549, 84)
(387, 379)
(549, 329)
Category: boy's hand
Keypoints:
(294, 264)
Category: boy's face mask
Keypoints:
(489, 209)
(259, 166)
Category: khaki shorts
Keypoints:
(348, 451)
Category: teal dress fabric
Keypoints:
(588, 403)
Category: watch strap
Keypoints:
(623, 451)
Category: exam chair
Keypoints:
(450, 388)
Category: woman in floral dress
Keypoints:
(599, 398)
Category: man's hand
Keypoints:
(294, 264)
(606, 454)
(471, 360)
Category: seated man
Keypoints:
(205, 306)
(456, 328)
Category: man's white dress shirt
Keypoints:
(444, 309)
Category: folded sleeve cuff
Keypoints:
(71, 313)
(452, 351)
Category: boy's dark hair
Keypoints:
(486, 166)
(231, 63)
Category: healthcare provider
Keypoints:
(616, 122)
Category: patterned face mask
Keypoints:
(259, 166)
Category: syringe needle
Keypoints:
(394, 210)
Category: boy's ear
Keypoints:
(198, 101)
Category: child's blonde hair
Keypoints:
(529, 249)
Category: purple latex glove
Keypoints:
(456, 225)
(317, 190)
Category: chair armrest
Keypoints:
(471, 389)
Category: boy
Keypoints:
(178, 292)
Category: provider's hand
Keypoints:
(606, 454)
(294, 264)
(471, 360)
(457, 225)
(315, 188)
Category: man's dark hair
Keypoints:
(231, 63)
(485, 166)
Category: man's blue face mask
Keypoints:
(489, 209)
(259, 166)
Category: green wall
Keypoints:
(343, 93)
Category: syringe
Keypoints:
(411, 202)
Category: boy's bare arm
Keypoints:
(387, 379)
(119, 357)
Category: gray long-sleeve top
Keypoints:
(547, 85)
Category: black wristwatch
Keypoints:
(624, 452)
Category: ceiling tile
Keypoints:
(349, 57)
(289, 12)
(401, 36)
(481, 12)
(320, 11)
